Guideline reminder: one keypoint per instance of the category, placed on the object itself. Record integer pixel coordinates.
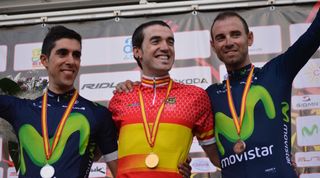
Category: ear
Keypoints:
(44, 60)
(250, 38)
(137, 53)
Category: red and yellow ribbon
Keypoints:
(236, 120)
(47, 149)
(151, 133)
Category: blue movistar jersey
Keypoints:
(88, 126)
(266, 125)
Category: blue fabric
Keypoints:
(88, 119)
(266, 126)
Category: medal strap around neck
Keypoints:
(47, 149)
(236, 120)
(151, 133)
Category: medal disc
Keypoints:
(239, 147)
(152, 160)
(47, 171)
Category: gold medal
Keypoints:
(239, 147)
(152, 160)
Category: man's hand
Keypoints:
(185, 168)
(126, 86)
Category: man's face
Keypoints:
(157, 50)
(63, 64)
(230, 42)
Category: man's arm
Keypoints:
(113, 166)
(212, 152)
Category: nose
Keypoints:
(228, 42)
(70, 59)
(164, 46)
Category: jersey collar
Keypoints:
(155, 81)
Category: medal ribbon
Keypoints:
(148, 131)
(47, 149)
(236, 120)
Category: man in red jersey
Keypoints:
(157, 121)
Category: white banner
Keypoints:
(3, 58)
(309, 75)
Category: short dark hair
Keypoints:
(56, 33)
(228, 14)
(138, 35)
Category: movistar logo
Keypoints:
(225, 125)
(309, 132)
(32, 142)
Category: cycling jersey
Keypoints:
(186, 113)
(266, 125)
(88, 126)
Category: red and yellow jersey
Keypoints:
(187, 112)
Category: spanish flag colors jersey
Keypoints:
(187, 112)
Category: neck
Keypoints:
(59, 90)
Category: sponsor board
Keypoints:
(262, 41)
(192, 44)
(307, 159)
(98, 169)
(296, 30)
(27, 57)
(202, 165)
(12, 173)
(309, 75)
(199, 76)
(223, 71)
(306, 102)
(105, 51)
(308, 130)
(3, 58)
(311, 175)
(100, 86)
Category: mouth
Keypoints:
(68, 71)
(163, 57)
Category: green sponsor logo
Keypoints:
(32, 142)
(224, 124)
(309, 132)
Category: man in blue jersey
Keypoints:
(252, 106)
(59, 132)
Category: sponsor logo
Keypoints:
(308, 130)
(193, 81)
(306, 102)
(127, 49)
(256, 152)
(98, 169)
(202, 165)
(171, 100)
(307, 159)
(35, 58)
(92, 86)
